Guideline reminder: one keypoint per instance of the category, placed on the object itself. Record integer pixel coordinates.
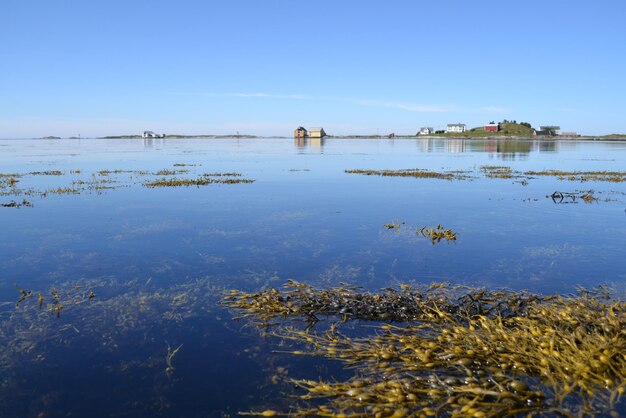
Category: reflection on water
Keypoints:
(504, 149)
(158, 259)
(317, 142)
(151, 142)
(300, 142)
(314, 145)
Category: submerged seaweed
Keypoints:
(459, 351)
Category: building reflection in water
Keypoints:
(317, 142)
(504, 149)
(300, 143)
(315, 145)
(151, 142)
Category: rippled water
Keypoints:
(157, 259)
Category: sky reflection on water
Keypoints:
(303, 218)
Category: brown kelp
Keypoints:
(167, 172)
(608, 176)
(105, 180)
(14, 204)
(437, 233)
(46, 173)
(415, 172)
(499, 172)
(200, 181)
(586, 196)
(456, 351)
(394, 225)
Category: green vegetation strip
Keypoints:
(454, 351)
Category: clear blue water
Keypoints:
(159, 258)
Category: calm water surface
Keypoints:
(158, 259)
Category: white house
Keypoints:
(426, 131)
(553, 130)
(150, 134)
(456, 127)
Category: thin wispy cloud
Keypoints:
(494, 109)
(268, 95)
(409, 107)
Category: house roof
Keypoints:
(455, 124)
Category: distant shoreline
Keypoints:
(613, 137)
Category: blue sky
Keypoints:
(266, 66)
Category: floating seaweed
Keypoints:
(201, 181)
(435, 302)
(416, 172)
(394, 225)
(100, 182)
(227, 174)
(437, 233)
(9, 180)
(481, 353)
(23, 295)
(14, 204)
(166, 172)
(499, 172)
(46, 173)
(609, 176)
(60, 190)
(109, 172)
(573, 197)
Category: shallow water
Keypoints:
(158, 259)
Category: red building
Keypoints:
(492, 127)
